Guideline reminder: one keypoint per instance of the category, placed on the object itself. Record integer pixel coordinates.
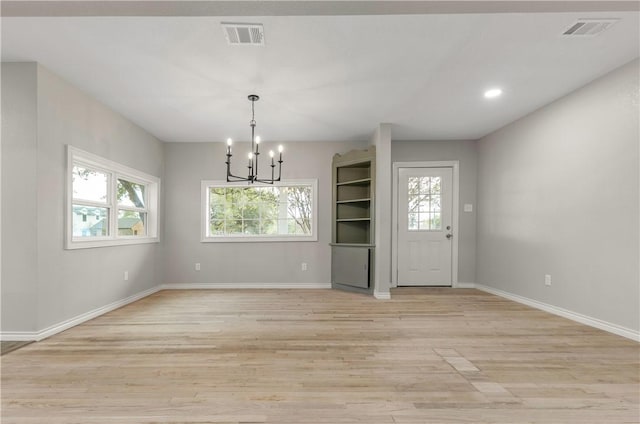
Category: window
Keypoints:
(424, 203)
(284, 211)
(108, 203)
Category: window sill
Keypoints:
(253, 239)
(90, 244)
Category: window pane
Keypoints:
(435, 203)
(424, 221)
(436, 223)
(299, 209)
(269, 226)
(413, 186)
(251, 210)
(425, 185)
(413, 221)
(251, 226)
(131, 223)
(414, 202)
(130, 194)
(89, 184)
(233, 226)
(269, 211)
(216, 227)
(435, 185)
(89, 221)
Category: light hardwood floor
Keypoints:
(322, 356)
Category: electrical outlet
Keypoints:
(197, 266)
(304, 266)
(126, 276)
(547, 279)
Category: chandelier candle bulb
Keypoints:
(280, 149)
(271, 154)
(229, 142)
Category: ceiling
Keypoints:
(327, 77)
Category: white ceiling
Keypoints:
(323, 78)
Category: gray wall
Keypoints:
(558, 194)
(68, 282)
(465, 152)
(258, 262)
(19, 203)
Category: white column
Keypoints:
(382, 281)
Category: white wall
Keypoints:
(465, 152)
(559, 194)
(254, 262)
(68, 282)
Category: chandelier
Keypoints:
(254, 154)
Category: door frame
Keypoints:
(455, 165)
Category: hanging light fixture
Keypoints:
(254, 154)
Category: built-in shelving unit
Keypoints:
(353, 205)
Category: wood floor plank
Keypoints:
(323, 356)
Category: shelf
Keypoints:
(355, 230)
(349, 192)
(366, 199)
(355, 172)
(361, 182)
(352, 244)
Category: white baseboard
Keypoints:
(196, 286)
(382, 295)
(461, 285)
(18, 336)
(574, 316)
(72, 322)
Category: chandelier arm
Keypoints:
(237, 179)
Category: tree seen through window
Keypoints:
(279, 210)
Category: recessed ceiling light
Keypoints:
(493, 93)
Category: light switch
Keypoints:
(468, 207)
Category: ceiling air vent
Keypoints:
(589, 27)
(244, 34)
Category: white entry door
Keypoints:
(425, 209)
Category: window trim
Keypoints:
(204, 213)
(114, 171)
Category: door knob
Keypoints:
(449, 235)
